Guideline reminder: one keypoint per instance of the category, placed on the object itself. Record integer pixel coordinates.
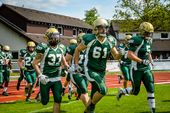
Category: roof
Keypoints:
(40, 16)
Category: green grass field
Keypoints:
(109, 104)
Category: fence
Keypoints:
(112, 65)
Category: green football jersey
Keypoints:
(8, 57)
(124, 60)
(28, 58)
(2, 56)
(62, 46)
(97, 52)
(142, 48)
(51, 62)
(71, 50)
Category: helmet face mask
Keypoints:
(53, 36)
(100, 27)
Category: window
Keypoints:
(74, 32)
(164, 35)
(80, 31)
(60, 30)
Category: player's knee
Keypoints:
(103, 90)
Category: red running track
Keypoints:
(111, 82)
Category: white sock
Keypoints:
(128, 90)
(5, 89)
(151, 100)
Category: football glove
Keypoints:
(122, 52)
(145, 62)
(43, 79)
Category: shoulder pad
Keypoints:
(41, 48)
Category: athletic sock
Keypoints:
(151, 101)
(127, 90)
(5, 89)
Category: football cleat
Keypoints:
(5, 93)
(120, 93)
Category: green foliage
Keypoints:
(155, 11)
(91, 15)
(108, 104)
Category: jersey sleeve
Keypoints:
(71, 50)
(64, 48)
(87, 38)
(112, 40)
(41, 48)
(134, 43)
(22, 52)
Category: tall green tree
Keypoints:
(155, 11)
(91, 15)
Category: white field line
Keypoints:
(50, 107)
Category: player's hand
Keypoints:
(145, 62)
(43, 79)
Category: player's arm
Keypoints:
(20, 62)
(68, 58)
(115, 53)
(36, 62)
(79, 48)
(64, 61)
(131, 55)
(150, 59)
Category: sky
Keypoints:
(73, 8)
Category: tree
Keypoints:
(91, 15)
(155, 11)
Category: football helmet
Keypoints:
(31, 46)
(79, 37)
(146, 29)
(6, 48)
(53, 36)
(73, 41)
(128, 37)
(100, 26)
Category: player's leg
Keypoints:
(21, 77)
(67, 81)
(126, 76)
(136, 77)
(81, 84)
(148, 81)
(6, 75)
(1, 79)
(57, 91)
(44, 92)
(98, 85)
